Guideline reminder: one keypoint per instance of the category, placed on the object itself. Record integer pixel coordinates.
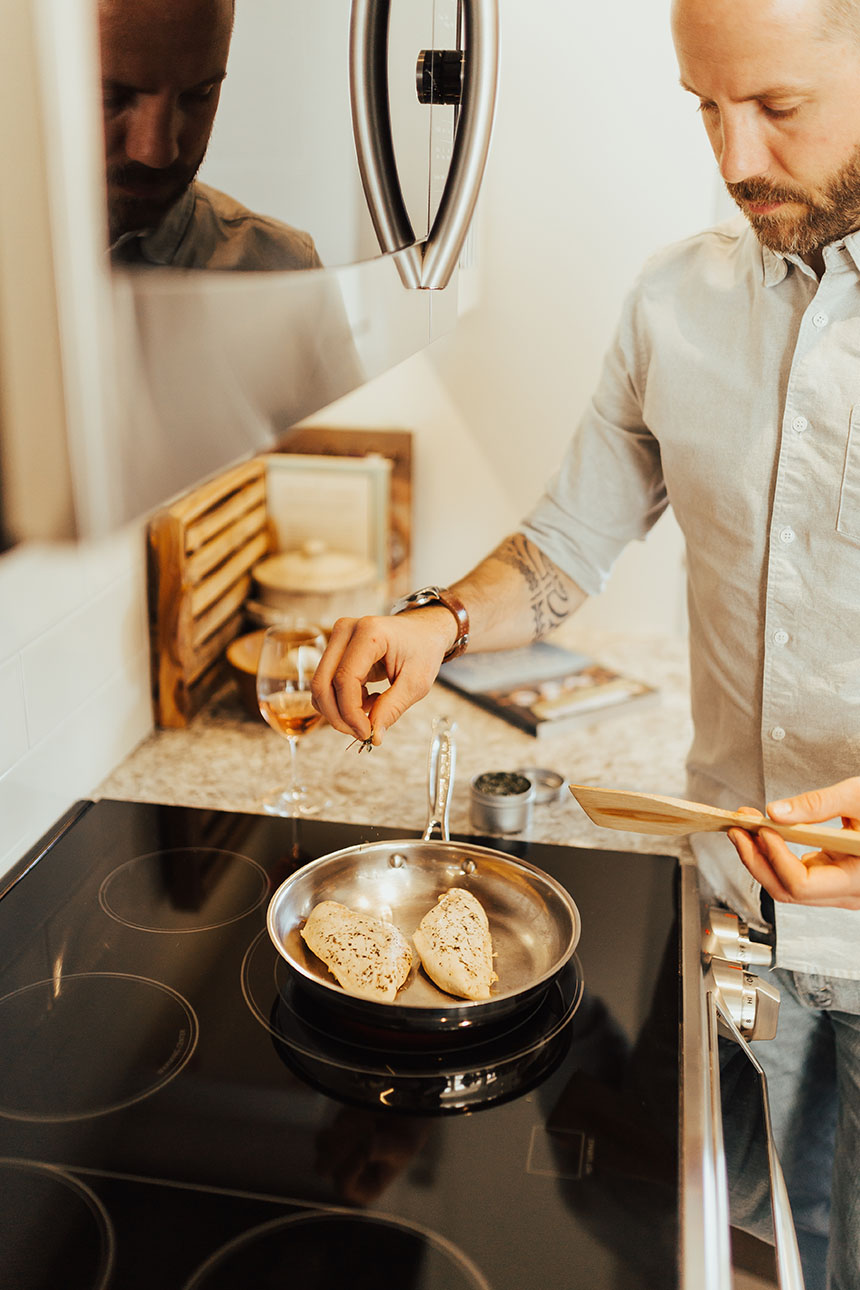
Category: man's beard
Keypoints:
(153, 193)
(830, 216)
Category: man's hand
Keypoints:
(819, 877)
(406, 650)
(513, 596)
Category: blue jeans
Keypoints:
(813, 1075)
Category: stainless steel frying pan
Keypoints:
(534, 923)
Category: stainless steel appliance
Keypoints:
(175, 1112)
(121, 389)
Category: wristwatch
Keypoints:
(441, 596)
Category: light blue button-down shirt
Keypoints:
(732, 391)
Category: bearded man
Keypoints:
(731, 392)
(163, 64)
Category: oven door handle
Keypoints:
(789, 1269)
(428, 265)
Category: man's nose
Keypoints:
(743, 152)
(152, 132)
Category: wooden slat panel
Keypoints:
(219, 582)
(201, 550)
(190, 508)
(220, 612)
(213, 647)
(205, 686)
(219, 517)
(212, 554)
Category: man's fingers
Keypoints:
(758, 864)
(819, 878)
(390, 705)
(842, 799)
(405, 653)
(338, 687)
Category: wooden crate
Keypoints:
(201, 551)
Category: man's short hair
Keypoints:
(841, 18)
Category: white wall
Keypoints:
(598, 158)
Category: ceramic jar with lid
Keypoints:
(318, 583)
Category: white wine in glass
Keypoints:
(288, 660)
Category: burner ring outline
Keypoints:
(168, 1070)
(90, 1199)
(320, 1213)
(105, 903)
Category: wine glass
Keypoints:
(288, 659)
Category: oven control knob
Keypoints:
(752, 1004)
(726, 937)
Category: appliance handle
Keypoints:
(720, 1262)
(789, 1269)
(371, 129)
(429, 265)
(471, 144)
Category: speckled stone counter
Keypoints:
(229, 760)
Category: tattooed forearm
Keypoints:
(548, 588)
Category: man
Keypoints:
(732, 391)
(163, 64)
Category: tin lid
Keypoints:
(548, 783)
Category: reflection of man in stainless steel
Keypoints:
(163, 64)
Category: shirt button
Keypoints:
(780, 637)
(786, 535)
(799, 424)
(820, 320)
(777, 733)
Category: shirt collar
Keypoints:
(775, 264)
(852, 246)
(159, 245)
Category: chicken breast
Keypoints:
(368, 957)
(455, 947)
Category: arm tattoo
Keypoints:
(550, 601)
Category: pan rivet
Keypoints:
(397, 861)
(468, 866)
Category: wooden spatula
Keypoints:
(672, 817)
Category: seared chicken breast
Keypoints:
(455, 947)
(368, 957)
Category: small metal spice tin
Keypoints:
(501, 801)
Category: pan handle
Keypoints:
(443, 757)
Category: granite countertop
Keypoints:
(228, 760)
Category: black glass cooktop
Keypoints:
(176, 1112)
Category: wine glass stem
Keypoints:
(295, 788)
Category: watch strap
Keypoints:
(452, 602)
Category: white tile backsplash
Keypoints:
(74, 677)
(68, 663)
(39, 587)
